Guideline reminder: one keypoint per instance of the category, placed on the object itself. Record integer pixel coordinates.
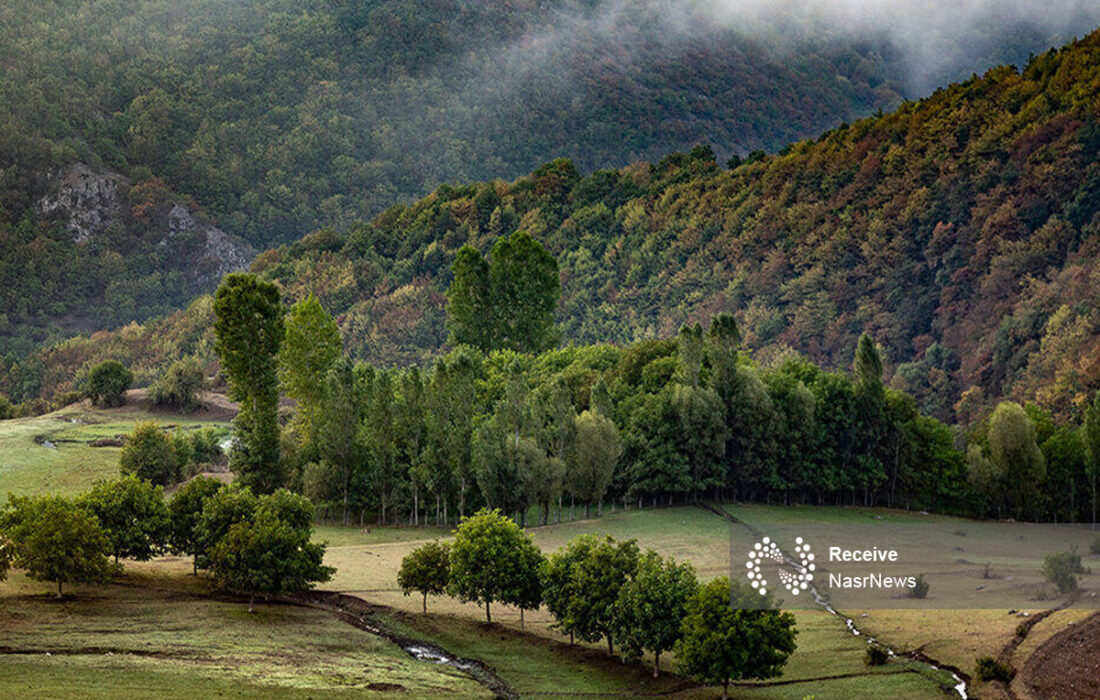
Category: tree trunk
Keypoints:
(425, 602)
(59, 590)
(252, 603)
(610, 645)
(488, 616)
(656, 664)
(522, 626)
(726, 689)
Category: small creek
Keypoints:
(960, 684)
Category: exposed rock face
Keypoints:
(90, 204)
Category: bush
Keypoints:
(107, 384)
(151, 454)
(1061, 568)
(180, 385)
(876, 655)
(920, 588)
(990, 669)
(1094, 548)
(6, 408)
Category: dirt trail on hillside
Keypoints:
(1066, 666)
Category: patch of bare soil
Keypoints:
(1066, 666)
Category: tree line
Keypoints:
(251, 545)
(597, 588)
(659, 421)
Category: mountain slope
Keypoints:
(270, 118)
(960, 231)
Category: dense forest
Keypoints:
(271, 118)
(959, 231)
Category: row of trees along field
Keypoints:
(251, 545)
(511, 422)
(597, 588)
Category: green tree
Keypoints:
(180, 386)
(184, 511)
(426, 570)
(220, 512)
(598, 448)
(151, 454)
(1016, 458)
(597, 576)
(507, 302)
(311, 344)
(651, 607)
(523, 588)
(268, 556)
(248, 331)
(132, 514)
(702, 434)
(108, 382)
(488, 550)
(720, 643)
(470, 313)
(1061, 569)
(339, 441)
(56, 540)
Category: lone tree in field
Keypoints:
(185, 510)
(507, 302)
(56, 540)
(488, 551)
(132, 514)
(426, 570)
(248, 331)
(107, 384)
(720, 643)
(150, 454)
(651, 607)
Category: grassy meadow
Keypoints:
(53, 453)
(158, 631)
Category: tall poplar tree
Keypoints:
(248, 331)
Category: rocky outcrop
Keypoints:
(90, 204)
(86, 201)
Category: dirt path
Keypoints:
(1066, 666)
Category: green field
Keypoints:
(160, 630)
(158, 633)
(52, 453)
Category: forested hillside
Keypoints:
(270, 118)
(960, 231)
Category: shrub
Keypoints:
(180, 385)
(1061, 568)
(1094, 547)
(876, 655)
(990, 669)
(107, 384)
(151, 454)
(920, 588)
